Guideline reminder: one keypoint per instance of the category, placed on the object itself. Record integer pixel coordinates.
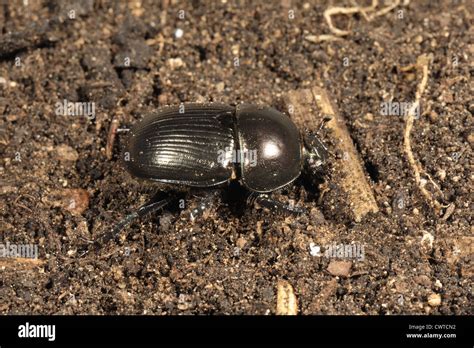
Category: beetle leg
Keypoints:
(266, 201)
(151, 206)
(205, 205)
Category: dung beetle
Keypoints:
(208, 145)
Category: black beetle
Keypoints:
(206, 145)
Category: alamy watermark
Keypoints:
(395, 108)
(230, 155)
(339, 251)
(37, 331)
(29, 251)
(67, 108)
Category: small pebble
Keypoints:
(75, 200)
(441, 174)
(220, 86)
(418, 39)
(427, 239)
(314, 250)
(340, 268)
(178, 33)
(433, 116)
(369, 117)
(241, 242)
(174, 63)
(66, 153)
(470, 137)
(434, 300)
(423, 280)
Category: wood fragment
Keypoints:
(309, 107)
(20, 263)
(321, 38)
(449, 211)
(109, 148)
(287, 303)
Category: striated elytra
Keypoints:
(204, 145)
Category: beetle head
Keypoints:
(315, 153)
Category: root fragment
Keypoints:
(365, 11)
(422, 64)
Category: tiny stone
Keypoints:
(241, 242)
(220, 86)
(418, 39)
(316, 216)
(314, 250)
(401, 300)
(174, 63)
(427, 239)
(75, 201)
(340, 268)
(441, 174)
(423, 280)
(434, 300)
(433, 116)
(67, 153)
(369, 117)
(470, 138)
(178, 33)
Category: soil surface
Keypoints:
(63, 182)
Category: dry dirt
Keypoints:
(59, 188)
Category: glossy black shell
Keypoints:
(183, 147)
(277, 142)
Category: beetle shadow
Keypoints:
(310, 183)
